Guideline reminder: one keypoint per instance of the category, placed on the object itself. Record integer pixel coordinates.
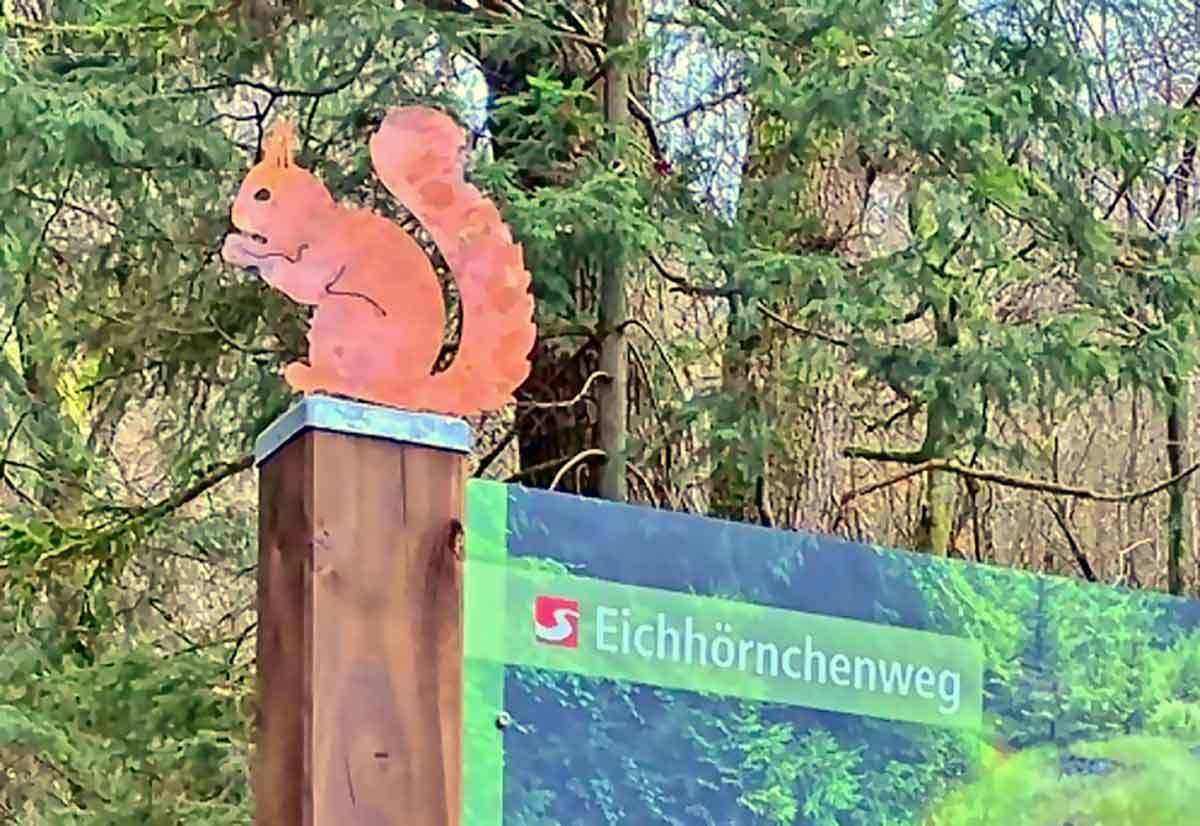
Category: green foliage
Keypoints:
(1137, 780)
(919, 200)
(131, 737)
(976, 192)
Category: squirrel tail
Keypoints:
(417, 154)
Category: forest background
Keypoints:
(918, 273)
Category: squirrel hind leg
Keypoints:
(308, 378)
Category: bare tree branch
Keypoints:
(581, 456)
(1006, 480)
(705, 105)
(804, 331)
(599, 374)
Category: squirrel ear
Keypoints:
(280, 145)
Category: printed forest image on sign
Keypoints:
(651, 667)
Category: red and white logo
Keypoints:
(556, 621)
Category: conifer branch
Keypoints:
(141, 517)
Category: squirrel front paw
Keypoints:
(234, 251)
(231, 250)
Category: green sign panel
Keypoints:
(632, 666)
(678, 640)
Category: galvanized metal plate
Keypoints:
(338, 415)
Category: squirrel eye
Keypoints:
(262, 195)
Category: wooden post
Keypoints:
(359, 617)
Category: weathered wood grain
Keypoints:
(360, 640)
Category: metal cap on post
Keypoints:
(359, 635)
(357, 419)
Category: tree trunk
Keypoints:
(613, 401)
(731, 490)
(1180, 520)
(1180, 398)
(939, 493)
(36, 11)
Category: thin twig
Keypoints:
(636, 108)
(27, 284)
(599, 374)
(230, 82)
(662, 351)
(1081, 559)
(581, 456)
(641, 477)
(908, 410)
(523, 413)
(681, 285)
(1128, 549)
(704, 105)
(492, 455)
(1128, 182)
(804, 331)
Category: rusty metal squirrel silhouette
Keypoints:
(378, 324)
